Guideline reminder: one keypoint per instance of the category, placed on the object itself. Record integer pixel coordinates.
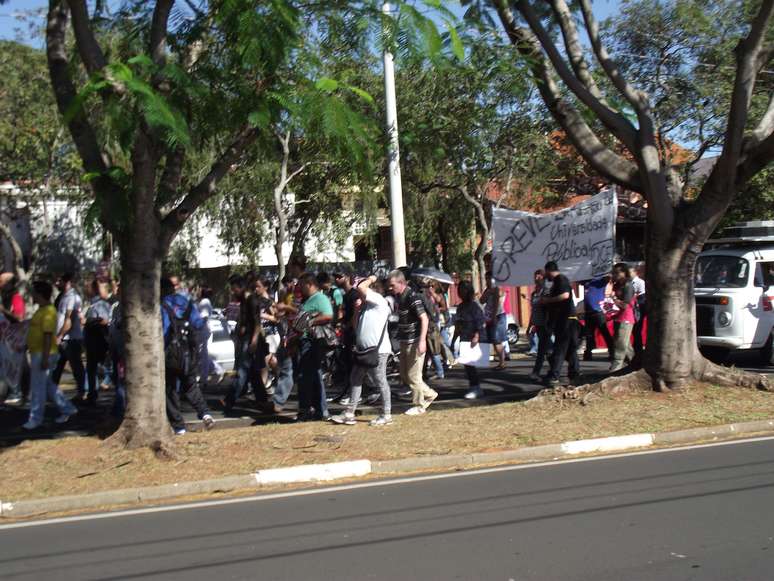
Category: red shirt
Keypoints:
(17, 306)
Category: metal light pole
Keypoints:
(396, 190)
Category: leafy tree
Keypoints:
(164, 101)
(597, 103)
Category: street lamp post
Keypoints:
(396, 190)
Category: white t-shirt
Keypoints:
(373, 317)
(70, 301)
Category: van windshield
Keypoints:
(722, 271)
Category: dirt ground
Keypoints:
(38, 469)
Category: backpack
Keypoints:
(180, 347)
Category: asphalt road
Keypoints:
(702, 513)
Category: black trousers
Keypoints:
(71, 351)
(566, 338)
(472, 374)
(594, 321)
(177, 383)
(96, 344)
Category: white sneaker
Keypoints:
(474, 393)
(415, 411)
(208, 421)
(382, 421)
(346, 419)
(430, 399)
(180, 432)
(13, 401)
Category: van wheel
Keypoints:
(767, 353)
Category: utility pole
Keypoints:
(396, 190)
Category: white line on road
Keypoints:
(372, 484)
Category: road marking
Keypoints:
(372, 484)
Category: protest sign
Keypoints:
(580, 239)
(13, 344)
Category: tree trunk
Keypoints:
(281, 233)
(671, 347)
(672, 357)
(145, 422)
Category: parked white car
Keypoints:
(735, 291)
(220, 345)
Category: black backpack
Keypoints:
(181, 346)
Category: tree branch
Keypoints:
(81, 130)
(614, 121)
(173, 171)
(18, 255)
(739, 159)
(88, 48)
(636, 98)
(574, 48)
(206, 188)
(158, 33)
(596, 153)
(764, 128)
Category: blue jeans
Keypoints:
(533, 342)
(438, 364)
(248, 367)
(311, 389)
(42, 388)
(284, 383)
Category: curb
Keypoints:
(311, 473)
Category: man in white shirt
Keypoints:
(69, 335)
(370, 335)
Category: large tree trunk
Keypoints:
(672, 357)
(671, 346)
(145, 421)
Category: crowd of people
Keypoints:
(295, 333)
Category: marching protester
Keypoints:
(538, 325)
(350, 299)
(96, 334)
(412, 334)
(625, 299)
(182, 326)
(12, 307)
(249, 345)
(560, 307)
(41, 343)
(316, 330)
(11, 302)
(641, 311)
(371, 352)
(207, 363)
(434, 341)
(469, 327)
(493, 300)
(270, 330)
(594, 316)
(116, 346)
(69, 335)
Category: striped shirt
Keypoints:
(410, 309)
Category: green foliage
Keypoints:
(34, 146)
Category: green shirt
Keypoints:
(317, 304)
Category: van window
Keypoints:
(764, 274)
(722, 271)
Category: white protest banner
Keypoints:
(580, 239)
(13, 344)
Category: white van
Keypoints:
(735, 291)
